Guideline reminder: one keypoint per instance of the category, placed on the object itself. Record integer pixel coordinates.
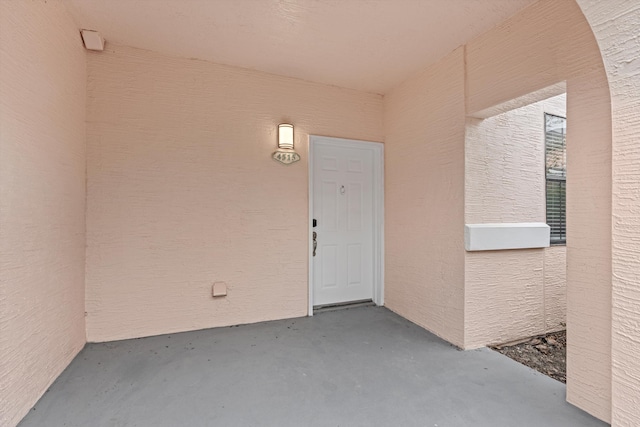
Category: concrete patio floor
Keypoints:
(353, 367)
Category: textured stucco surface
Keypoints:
(504, 296)
(364, 45)
(182, 190)
(615, 25)
(42, 200)
(545, 44)
(514, 294)
(424, 198)
(539, 47)
(508, 294)
(505, 164)
(555, 288)
(589, 244)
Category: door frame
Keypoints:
(377, 148)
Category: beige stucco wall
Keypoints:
(511, 294)
(615, 24)
(42, 200)
(182, 190)
(589, 245)
(505, 164)
(424, 198)
(555, 288)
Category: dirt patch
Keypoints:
(544, 353)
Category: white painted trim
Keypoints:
(310, 230)
(493, 237)
(378, 210)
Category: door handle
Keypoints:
(315, 242)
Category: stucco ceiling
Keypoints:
(369, 45)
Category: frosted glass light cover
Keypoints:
(285, 136)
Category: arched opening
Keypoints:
(615, 27)
(548, 43)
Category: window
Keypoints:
(556, 176)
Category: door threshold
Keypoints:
(342, 306)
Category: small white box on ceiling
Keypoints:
(92, 40)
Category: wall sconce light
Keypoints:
(285, 154)
(285, 136)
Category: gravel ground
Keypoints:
(544, 353)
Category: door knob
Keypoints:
(315, 242)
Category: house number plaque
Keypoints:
(286, 156)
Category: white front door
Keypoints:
(343, 207)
